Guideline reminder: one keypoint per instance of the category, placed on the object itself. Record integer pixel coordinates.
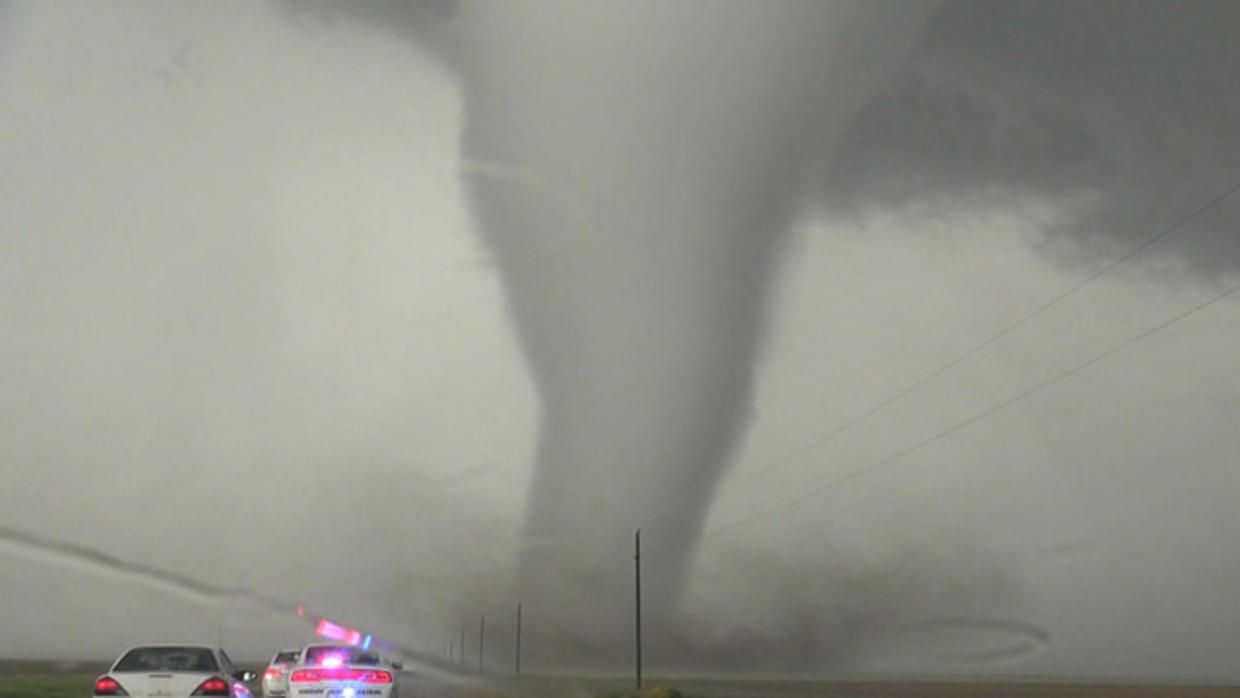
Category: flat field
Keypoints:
(50, 679)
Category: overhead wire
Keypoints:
(1018, 323)
(980, 416)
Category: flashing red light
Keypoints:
(213, 686)
(330, 630)
(273, 672)
(107, 686)
(352, 636)
(341, 674)
(301, 610)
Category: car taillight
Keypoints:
(362, 675)
(273, 673)
(107, 686)
(376, 677)
(213, 686)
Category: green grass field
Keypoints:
(57, 686)
(46, 686)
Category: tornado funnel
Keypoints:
(634, 168)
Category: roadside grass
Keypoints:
(655, 691)
(47, 686)
(59, 686)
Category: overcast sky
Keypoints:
(253, 334)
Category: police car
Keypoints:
(341, 671)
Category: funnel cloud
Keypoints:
(678, 133)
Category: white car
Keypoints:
(174, 671)
(275, 678)
(341, 671)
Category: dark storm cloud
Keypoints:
(1124, 112)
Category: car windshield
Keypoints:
(753, 339)
(175, 659)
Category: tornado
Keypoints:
(634, 169)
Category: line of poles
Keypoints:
(456, 651)
(459, 655)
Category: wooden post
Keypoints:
(482, 639)
(518, 655)
(637, 607)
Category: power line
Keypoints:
(1020, 322)
(975, 418)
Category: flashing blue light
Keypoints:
(366, 642)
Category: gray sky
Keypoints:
(252, 336)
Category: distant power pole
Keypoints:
(518, 657)
(462, 657)
(637, 606)
(482, 638)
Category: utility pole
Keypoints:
(518, 659)
(482, 638)
(462, 657)
(637, 607)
